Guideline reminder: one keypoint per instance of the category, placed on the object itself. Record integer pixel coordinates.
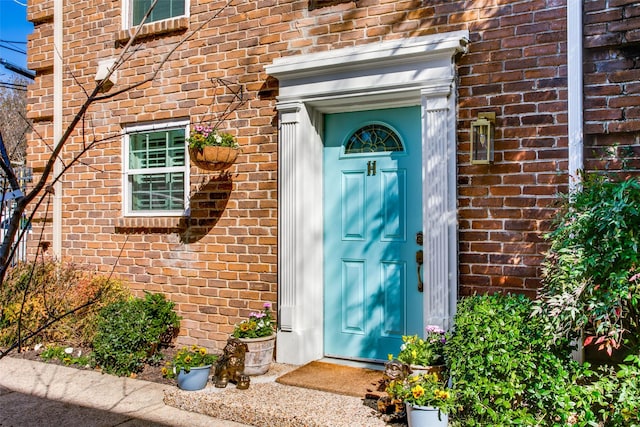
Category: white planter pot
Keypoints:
(426, 416)
(257, 359)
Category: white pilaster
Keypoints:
(287, 199)
(299, 237)
(439, 210)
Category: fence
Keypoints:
(7, 207)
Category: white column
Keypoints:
(439, 214)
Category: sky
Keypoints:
(14, 27)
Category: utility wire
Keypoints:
(9, 85)
(5, 46)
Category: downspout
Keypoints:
(575, 93)
(57, 124)
(575, 115)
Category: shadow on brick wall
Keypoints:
(206, 206)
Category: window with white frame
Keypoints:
(156, 169)
(164, 9)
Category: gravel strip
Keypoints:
(267, 403)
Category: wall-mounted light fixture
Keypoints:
(104, 68)
(482, 136)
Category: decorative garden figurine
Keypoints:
(230, 366)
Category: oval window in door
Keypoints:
(373, 138)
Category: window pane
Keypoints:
(160, 191)
(157, 149)
(373, 138)
(164, 9)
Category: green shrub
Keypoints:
(619, 393)
(165, 323)
(505, 371)
(129, 333)
(591, 271)
(38, 293)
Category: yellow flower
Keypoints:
(390, 356)
(202, 351)
(187, 359)
(417, 391)
(441, 394)
(165, 371)
(414, 354)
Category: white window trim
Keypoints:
(151, 127)
(127, 12)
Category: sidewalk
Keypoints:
(39, 394)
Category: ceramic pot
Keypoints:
(257, 360)
(195, 379)
(426, 416)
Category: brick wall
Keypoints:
(612, 85)
(222, 263)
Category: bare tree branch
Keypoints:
(92, 97)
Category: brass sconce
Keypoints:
(482, 137)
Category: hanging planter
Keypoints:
(213, 158)
(212, 150)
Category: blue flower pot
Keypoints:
(195, 379)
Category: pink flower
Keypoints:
(267, 305)
(434, 329)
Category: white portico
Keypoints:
(399, 73)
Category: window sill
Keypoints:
(167, 223)
(153, 29)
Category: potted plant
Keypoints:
(210, 149)
(424, 355)
(258, 333)
(427, 399)
(190, 367)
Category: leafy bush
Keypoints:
(129, 333)
(591, 271)
(620, 393)
(165, 323)
(38, 293)
(505, 371)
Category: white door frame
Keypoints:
(397, 73)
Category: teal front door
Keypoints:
(372, 214)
